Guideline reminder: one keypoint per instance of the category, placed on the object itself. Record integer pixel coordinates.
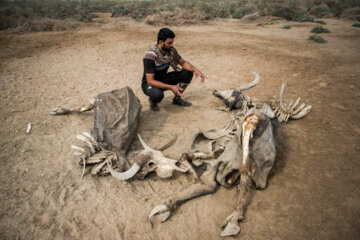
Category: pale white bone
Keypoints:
(302, 113)
(84, 162)
(85, 140)
(288, 106)
(161, 212)
(28, 128)
(281, 97)
(247, 135)
(124, 175)
(97, 168)
(301, 107)
(86, 134)
(78, 148)
(230, 230)
(252, 84)
(295, 104)
(78, 153)
(167, 164)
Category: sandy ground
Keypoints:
(313, 190)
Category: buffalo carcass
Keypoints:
(105, 150)
(245, 149)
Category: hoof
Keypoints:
(160, 213)
(230, 230)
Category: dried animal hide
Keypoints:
(116, 119)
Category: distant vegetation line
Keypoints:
(61, 15)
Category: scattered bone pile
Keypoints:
(241, 153)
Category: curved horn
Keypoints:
(252, 84)
(145, 146)
(124, 175)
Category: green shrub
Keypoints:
(356, 25)
(320, 11)
(268, 23)
(212, 10)
(238, 11)
(287, 26)
(289, 14)
(320, 29)
(47, 24)
(320, 22)
(137, 10)
(317, 38)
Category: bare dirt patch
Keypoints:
(313, 192)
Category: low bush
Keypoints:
(321, 11)
(320, 29)
(356, 25)
(289, 14)
(317, 38)
(268, 23)
(137, 10)
(287, 26)
(320, 22)
(175, 18)
(47, 24)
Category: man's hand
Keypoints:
(200, 74)
(176, 90)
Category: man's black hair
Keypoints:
(164, 34)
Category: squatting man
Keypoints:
(156, 79)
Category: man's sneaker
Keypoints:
(179, 101)
(153, 106)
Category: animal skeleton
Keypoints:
(244, 149)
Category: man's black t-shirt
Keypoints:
(157, 63)
(160, 70)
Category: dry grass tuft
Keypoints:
(47, 24)
(178, 17)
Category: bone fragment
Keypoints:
(83, 173)
(160, 212)
(281, 97)
(60, 111)
(302, 113)
(78, 148)
(96, 169)
(88, 143)
(301, 107)
(78, 153)
(28, 128)
(230, 230)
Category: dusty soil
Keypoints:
(313, 191)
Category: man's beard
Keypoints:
(165, 49)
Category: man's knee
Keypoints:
(156, 95)
(187, 76)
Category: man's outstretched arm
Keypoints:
(188, 66)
